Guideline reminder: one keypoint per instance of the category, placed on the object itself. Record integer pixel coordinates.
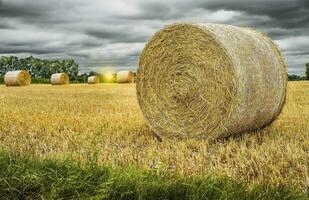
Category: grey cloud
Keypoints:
(300, 53)
(25, 49)
(18, 9)
(5, 26)
(79, 55)
(115, 36)
(285, 13)
(98, 33)
(158, 11)
(84, 43)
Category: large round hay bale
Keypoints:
(17, 78)
(93, 80)
(60, 79)
(125, 77)
(210, 81)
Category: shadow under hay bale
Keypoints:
(60, 79)
(125, 77)
(17, 78)
(210, 81)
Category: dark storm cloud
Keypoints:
(113, 33)
(157, 10)
(116, 36)
(20, 49)
(283, 13)
(5, 26)
(300, 53)
(18, 9)
(80, 55)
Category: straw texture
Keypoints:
(134, 75)
(17, 78)
(60, 79)
(125, 77)
(93, 80)
(210, 81)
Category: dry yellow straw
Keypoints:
(125, 77)
(210, 81)
(60, 79)
(93, 80)
(17, 78)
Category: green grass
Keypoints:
(28, 178)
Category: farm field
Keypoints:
(103, 123)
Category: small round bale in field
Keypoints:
(210, 81)
(60, 79)
(17, 78)
(93, 80)
(125, 77)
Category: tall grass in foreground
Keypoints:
(25, 178)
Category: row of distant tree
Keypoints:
(300, 78)
(42, 69)
(39, 68)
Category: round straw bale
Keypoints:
(17, 78)
(93, 80)
(125, 77)
(210, 81)
(60, 79)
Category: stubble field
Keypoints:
(103, 123)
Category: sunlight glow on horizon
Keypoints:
(107, 70)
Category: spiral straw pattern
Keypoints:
(210, 81)
(17, 78)
(60, 79)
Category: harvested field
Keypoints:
(104, 122)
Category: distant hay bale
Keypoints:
(210, 81)
(125, 77)
(93, 80)
(60, 79)
(17, 78)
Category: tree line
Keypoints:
(300, 78)
(42, 69)
(39, 68)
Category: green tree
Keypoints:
(71, 67)
(39, 68)
(307, 71)
(8, 63)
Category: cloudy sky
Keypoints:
(112, 33)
